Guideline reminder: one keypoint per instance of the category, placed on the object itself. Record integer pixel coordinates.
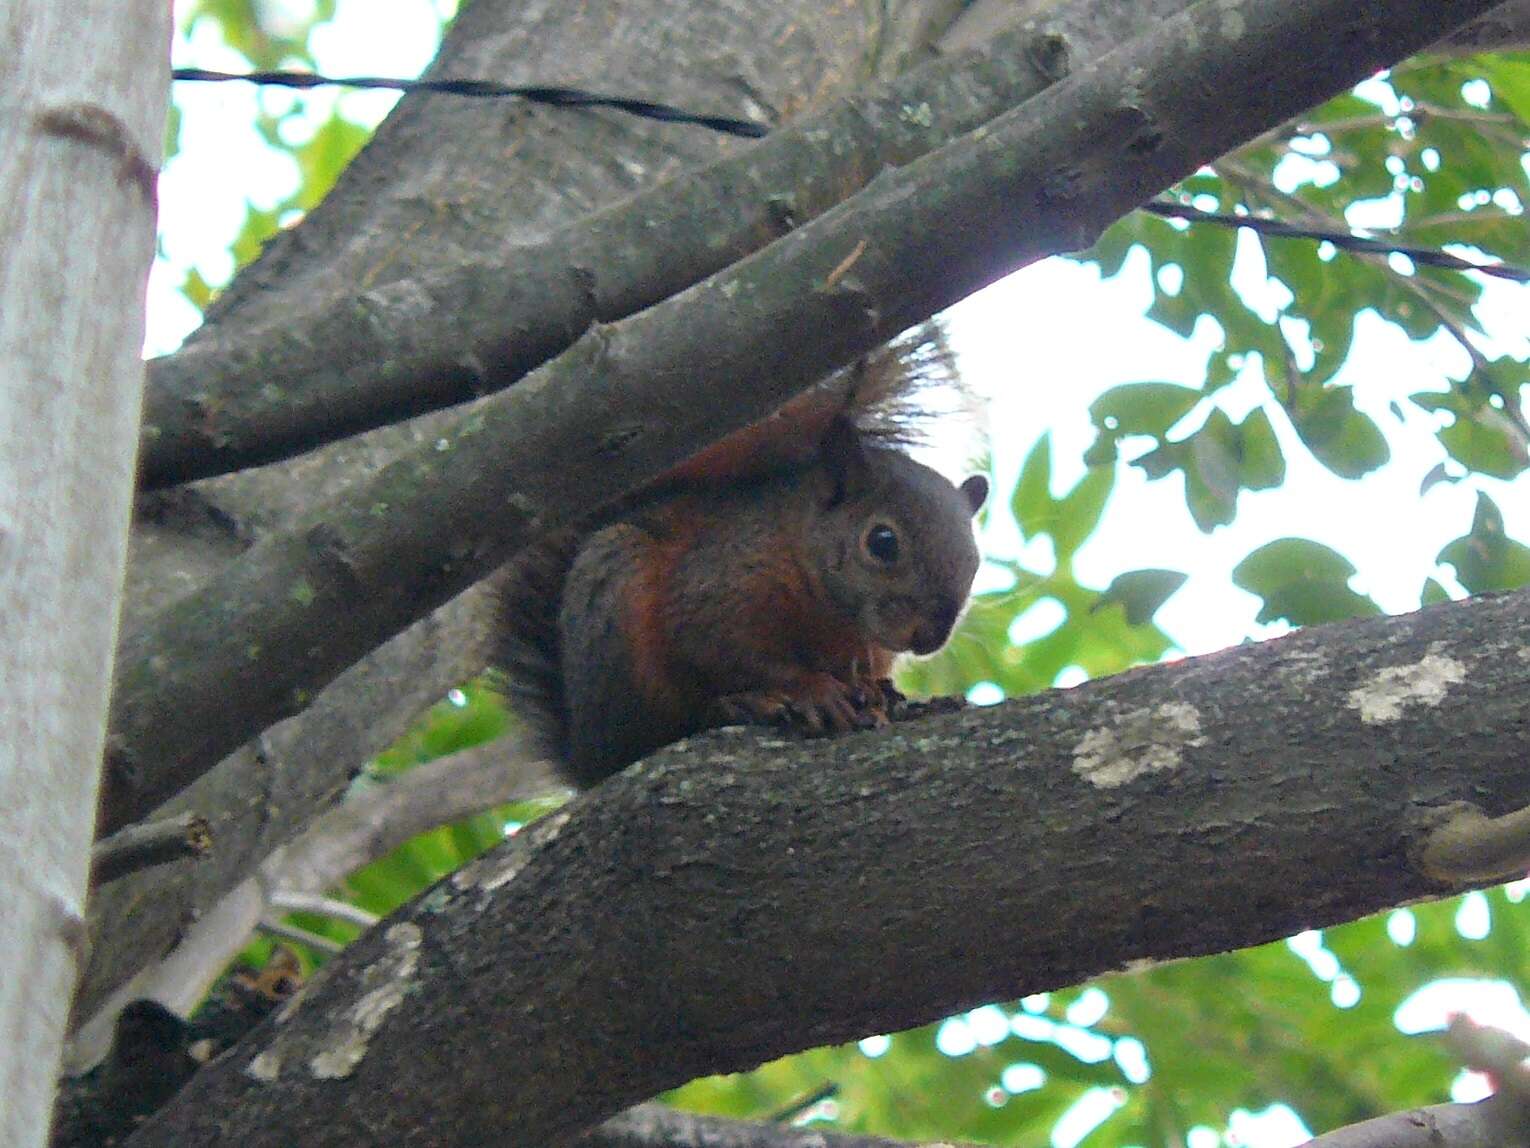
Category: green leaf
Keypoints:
(1487, 446)
(1212, 474)
(1302, 581)
(1263, 466)
(1485, 558)
(1340, 437)
(1078, 511)
(1141, 592)
(1031, 503)
(1143, 408)
(196, 289)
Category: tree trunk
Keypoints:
(82, 110)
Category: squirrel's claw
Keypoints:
(817, 705)
(761, 707)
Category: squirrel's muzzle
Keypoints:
(932, 632)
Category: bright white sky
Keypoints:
(1041, 345)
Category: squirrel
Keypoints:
(772, 577)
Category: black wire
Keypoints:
(648, 109)
(801, 1105)
(536, 93)
(1344, 239)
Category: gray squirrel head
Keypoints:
(894, 544)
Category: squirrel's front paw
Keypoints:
(818, 704)
(759, 707)
(879, 698)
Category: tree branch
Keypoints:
(1043, 178)
(660, 1126)
(314, 941)
(693, 906)
(1500, 1121)
(261, 796)
(283, 901)
(1496, 1122)
(1506, 28)
(83, 96)
(150, 843)
(1468, 845)
(1496, 1052)
(364, 356)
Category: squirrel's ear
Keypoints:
(976, 490)
(844, 459)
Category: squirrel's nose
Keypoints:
(932, 633)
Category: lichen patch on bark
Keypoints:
(1390, 691)
(1149, 739)
(265, 1067)
(346, 1043)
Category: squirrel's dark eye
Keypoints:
(882, 543)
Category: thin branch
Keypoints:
(378, 817)
(802, 1104)
(659, 1126)
(1456, 219)
(628, 401)
(152, 843)
(1341, 237)
(1494, 1051)
(332, 907)
(286, 932)
(1425, 291)
(1469, 845)
(1420, 111)
(1500, 1121)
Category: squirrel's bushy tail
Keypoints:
(525, 657)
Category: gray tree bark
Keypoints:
(82, 101)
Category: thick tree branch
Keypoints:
(694, 906)
(1497, 1122)
(367, 356)
(83, 94)
(1041, 179)
(1505, 29)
